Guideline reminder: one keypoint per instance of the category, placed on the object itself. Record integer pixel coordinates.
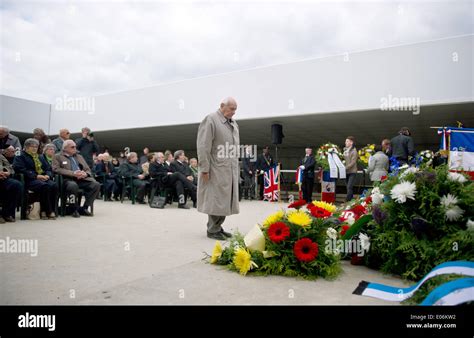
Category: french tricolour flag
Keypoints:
(299, 176)
(461, 150)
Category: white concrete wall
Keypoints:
(23, 115)
(331, 84)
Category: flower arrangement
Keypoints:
(421, 218)
(322, 154)
(426, 157)
(365, 153)
(289, 243)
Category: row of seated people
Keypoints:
(172, 173)
(38, 171)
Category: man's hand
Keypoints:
(4, 175)
(205, 177)
(78, 174)
(141, 177)
(190, 178)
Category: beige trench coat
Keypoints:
(220, 195)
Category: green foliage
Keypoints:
(399, 247)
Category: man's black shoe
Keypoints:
(85, 212)
(195, 205)
(75, 214)
(226, 234)
(217, 235)
(182, 206)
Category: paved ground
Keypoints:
(137, 255)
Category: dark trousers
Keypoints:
(11, 191)
(307, 188)
(182, 185)
(261, 185)
(91, 191)
(350, 179)
(249, 186)
(214, 224)
(141, 187)
(110, 186)
(48, 191)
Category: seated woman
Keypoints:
(10, 191)
(38, 177)
(48, 153)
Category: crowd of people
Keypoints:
(85, 169)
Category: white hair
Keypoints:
(7, 130)
(131, 154)
(68, 142)
(227, 101)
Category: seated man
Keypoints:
(77, 175)
(9, 144)
(179, 165)
(106, 172)
(38, 177)
(10, 191)
(159, 169)
(131, 168)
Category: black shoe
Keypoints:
(226, 234)
(117, 198)
(182, 206)
(141, 202)
(76, 214)
(9, 219)
(217, 235)
(85, 212)
(195, 205)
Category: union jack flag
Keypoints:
(271, 190)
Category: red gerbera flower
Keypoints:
(368, 200)
(344, 229)
(310, 206)
(278, 232)
(358, 210)
(305, 250)
(319, 212)
(297, 204)
(383, 178)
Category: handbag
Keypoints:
(158, 202)
(33, 212)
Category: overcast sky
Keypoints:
(55, 48)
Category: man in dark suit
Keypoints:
(162, 171)
(402, 146)
(77, 175)
(131, 169)
(308, 164)
(180, 166)
(248, 169)
(264, 162)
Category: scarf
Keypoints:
(36, 160)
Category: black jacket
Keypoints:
(309, 165)
(87, 148)
(402, 146)
(182, 168)
(100, 169)
(262, 163)
(24, 164)
(248, 165)
(160, 171)
(127, 169)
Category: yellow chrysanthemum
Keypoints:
(273, 218)
(326, 206)
(216, 253)
(300, 218)
(242, 261)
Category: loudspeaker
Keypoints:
(277, 133)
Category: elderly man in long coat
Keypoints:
(218, 183)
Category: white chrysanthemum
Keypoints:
(454, 213)
(470, 225)
(377, 196)
(456, 177)
(364, 241)
(448, 200)
(402, 191)
(331, 233)
(411, 170)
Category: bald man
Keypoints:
(218, 171)
(64, 135)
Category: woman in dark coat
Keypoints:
(38, 177)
